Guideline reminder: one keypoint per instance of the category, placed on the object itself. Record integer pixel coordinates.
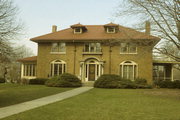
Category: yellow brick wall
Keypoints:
(143, 59)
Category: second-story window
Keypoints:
(92, 47)
(59, 47)
(128, 48)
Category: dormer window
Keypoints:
(77, 30)
(111, 30)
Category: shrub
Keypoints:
(69, 80)
(64, 80)
(107, 81)
(164, 84)
(176, 84)
(2, 80)
(115, 81)
(168, 84)
(53, 82)
(38, 81)
(141, 83)
(126, 83)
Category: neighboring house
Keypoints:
(88, 51)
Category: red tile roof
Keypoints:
(28, 59)
(95, 32)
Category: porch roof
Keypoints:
(28, 59)
(165, 62)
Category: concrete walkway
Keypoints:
(15, 109)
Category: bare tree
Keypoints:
(164, 16)
(9, 28)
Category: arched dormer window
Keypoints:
(58, 67)
(128, 70)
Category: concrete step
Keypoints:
(88, 84)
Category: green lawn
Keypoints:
(111, 104)
(14, 93)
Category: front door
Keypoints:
(91, 72)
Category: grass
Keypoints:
(111, 104)
(14, 93)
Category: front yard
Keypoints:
(14, 93)
(111, 104)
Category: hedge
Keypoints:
(38, 81)
(168, 84)
(64, 80)
(115, 81)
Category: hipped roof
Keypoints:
(94, 32)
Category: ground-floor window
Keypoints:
(29, 70)
(159, 72)
(128, 70)
(58, 67)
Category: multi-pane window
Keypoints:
(58, 67)
(159, 72)
(128, 70)
(58, 47)
(111, 30)
(29, 70)
(128, 48)
(77, 30)
(92, 47)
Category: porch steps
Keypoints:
(88, 84)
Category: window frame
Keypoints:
(58, 48)
(112, 28)
(128, 46)
(58, 63)
(29, 70)
(129, 63)
(77, 32)
(95, 45)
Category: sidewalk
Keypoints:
(15, 109)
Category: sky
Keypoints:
(38, 16)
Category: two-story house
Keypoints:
(88, 51)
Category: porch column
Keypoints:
(22, 70)
(172, 75)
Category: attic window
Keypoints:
(111, 30)
(77, 30)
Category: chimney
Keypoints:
(148, 28)
(54, 28)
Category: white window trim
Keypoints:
(61, 62)
(128, 51)
(114, 30)
(132, 63)
(57, 52)
(58, 49)
(95, 48)
(77, 32)
(26, 73)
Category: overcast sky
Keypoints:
(39, 15)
